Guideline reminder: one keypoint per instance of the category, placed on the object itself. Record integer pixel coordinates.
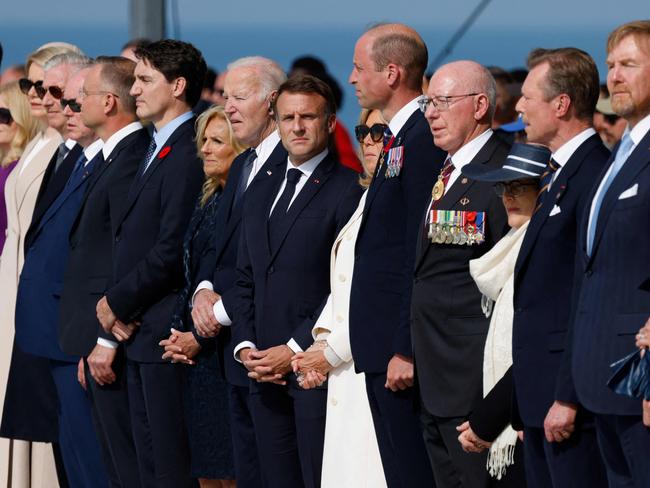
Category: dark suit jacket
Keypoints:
(41, 280)
(52, 184)
(449, 327)
(610, 304)
(544, 282)
(280, 290)
(380, 299)
(219, 264)
(148, 243)
(90, 265)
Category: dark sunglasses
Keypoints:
(376, 132)
(611, 118)
(514, 188)
(26, 85)
(72, 103)
(5, 116)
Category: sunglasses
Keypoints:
(26, 85)
(376, 132)
(72, 103)
(5, 116)
(514, 189)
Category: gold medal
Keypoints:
(438, 189)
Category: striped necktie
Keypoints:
(546, 181)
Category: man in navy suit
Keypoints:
(37, 308)
(610, 303)
(109, 110)
(558, 100)
(389, 62)
(290, 220)
(147, 256)
(250, 85)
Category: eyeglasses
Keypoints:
(611, 119)
(5, 116)
(27, 84)
(514, 188)
(72, 103)
(442, 103)
(376, 132)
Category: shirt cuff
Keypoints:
(106, 343)
(332, 357)
(293, 345)
(220, 313)
(240, 346)
(204, 285)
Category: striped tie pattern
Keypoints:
(545, 181)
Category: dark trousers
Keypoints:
(247, 464)
(290, 431)
(77, 439)
(157, 419)
(398, 435)
(573, 462)
(110, 411)
(452, 467)
(625, 444)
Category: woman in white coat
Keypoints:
(351, 455)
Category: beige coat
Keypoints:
(20, 195)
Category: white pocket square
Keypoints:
(630, 192)
(556, 210)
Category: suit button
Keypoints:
(334, 402)
(271, 270)
(339, 319)
(349, 236)
(416, 280)
(118, 238)
(589, 272)
(218, 268)
(342, 278)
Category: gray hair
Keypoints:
(77, 61)
(270, 74)
(485, 83)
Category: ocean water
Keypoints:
(506, 47)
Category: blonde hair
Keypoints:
(27, 126)
(640, 29)
(365, 178)
(216, 111)
(44, 53)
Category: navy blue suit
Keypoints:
(610, 307)
(279, 292)
(219, 266)
(147, 275)
(544, 275)
(380, 301)
(37, 316)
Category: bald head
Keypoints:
(464, 77)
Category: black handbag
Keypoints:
(631, 375)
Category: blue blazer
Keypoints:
(41, 280)
(380, 301)
(544, 281)
(280, 290)
(610, 302)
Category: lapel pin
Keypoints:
(269, 172)
(464, 181)
(164, 152)
(316, 181)
(464, 201)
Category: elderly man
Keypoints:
(37, 306)
(389, 62)
(288, 226)
(448, 326)
(250, 87)
(610, 303)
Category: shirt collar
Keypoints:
(640, 129)
(308, 167)
(70, 143)
(91, 151)
(468, 152)
(403, 114)
(161, 136)
(566, 150)
(267, 146)
(115, 139)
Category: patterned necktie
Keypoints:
(624, 150)
(445, 174)
(145, 162)
(62, 152)
(245, 174)
(546, 181)
(282, 205)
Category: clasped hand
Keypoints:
(311, 367)
(269, 365)
(110, 323)
(180, 347)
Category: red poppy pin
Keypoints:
(164, 152)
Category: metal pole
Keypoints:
(147, 19)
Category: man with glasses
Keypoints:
(388, 65)
(37, 306)
(461, 221)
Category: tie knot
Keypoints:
(252, 156)
(553, 165)
(448, 167)
(293, 176)
(387, 135)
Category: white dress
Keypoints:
(351, 455)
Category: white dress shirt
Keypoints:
(566, 150)
(403, 114)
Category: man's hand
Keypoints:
(560, 421)
(105, 315)
(643, 337)
(646, 412)
(469, 441)
(81, 376)
(123, 332)
(269, 365)
(100, 364)
(311, 361)
(399, 375)
(181, 347)
(205, 322)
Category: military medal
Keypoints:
(456, 228)
(438, 189)
(480, 227)
(462, 236)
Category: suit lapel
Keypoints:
(35, 168)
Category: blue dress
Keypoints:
(205, 395)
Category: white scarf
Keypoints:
(494, 274)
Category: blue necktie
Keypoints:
(622, 154)
(77, 170)
(145, 162)
(546, 181)
(245, 174)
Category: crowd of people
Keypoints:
(203, 284)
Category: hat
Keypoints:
(604, 106)
(523, 161)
